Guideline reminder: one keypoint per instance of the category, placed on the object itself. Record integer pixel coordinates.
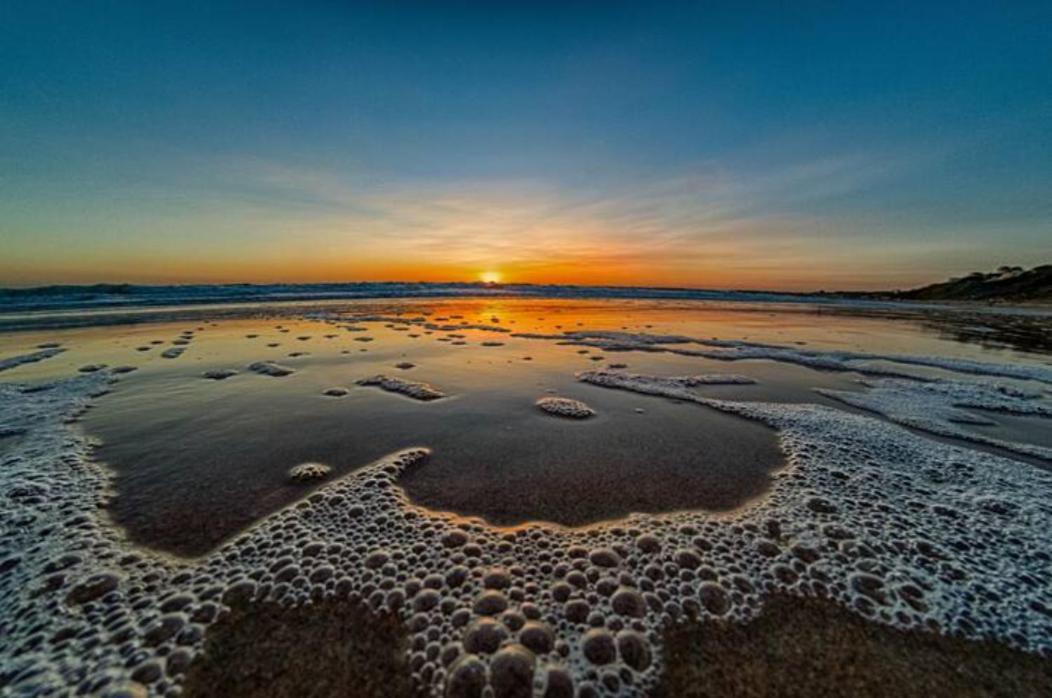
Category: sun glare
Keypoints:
(490, 277)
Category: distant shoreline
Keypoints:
(113, 296)
(91, 311)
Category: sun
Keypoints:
(490, 277)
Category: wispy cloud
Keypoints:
(716, 225)
(686, 228)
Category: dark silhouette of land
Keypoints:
(1007, 284)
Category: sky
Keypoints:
(785, 146)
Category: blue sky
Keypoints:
(781, 145)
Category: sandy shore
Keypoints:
(809, 647)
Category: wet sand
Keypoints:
(810, 647)
(327, 648)
(795, 648)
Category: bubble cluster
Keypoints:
(413, 389)
(307, 472)
(565, 407)
(898, 528)
(941, 407)
(888, 365)
(46, 352)
(269, 368)
(668, 386)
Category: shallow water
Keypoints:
(495, 454)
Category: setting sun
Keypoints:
(490, 277)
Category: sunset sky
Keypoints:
(788, 146)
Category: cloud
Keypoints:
(715, 225)
(711, 216)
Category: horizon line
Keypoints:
(476, 283)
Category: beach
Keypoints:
(529, 496)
